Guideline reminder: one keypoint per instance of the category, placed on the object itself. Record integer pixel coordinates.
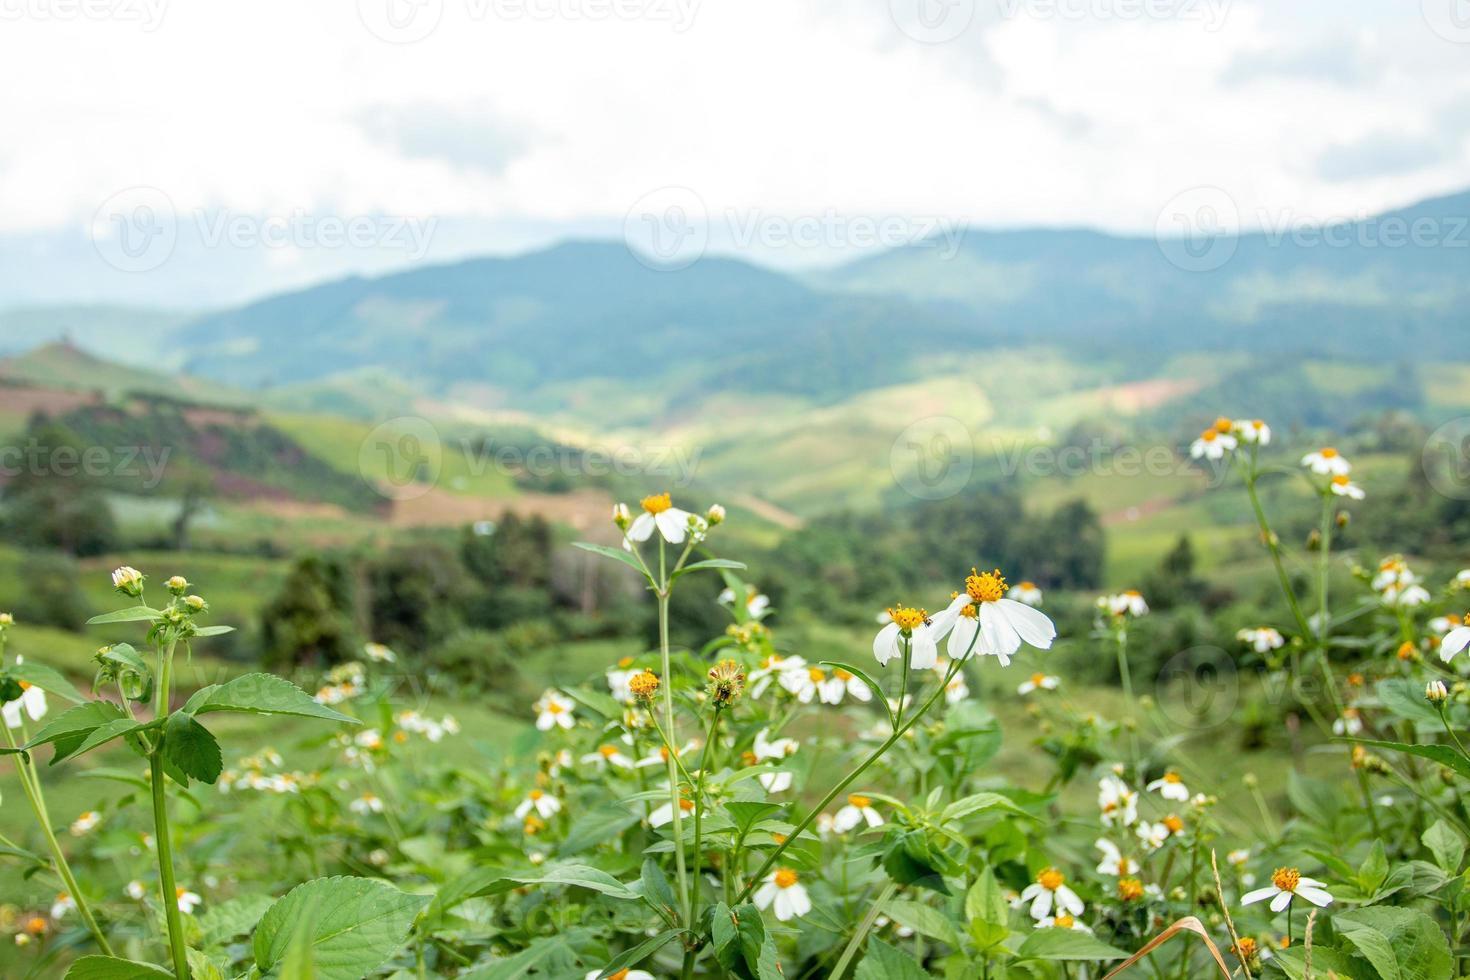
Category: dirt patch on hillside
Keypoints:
(1140, 395)
(581, 509)
(27, 400)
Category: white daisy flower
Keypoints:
(956, 690)
(1063, 921)
(605, 756)
(1038, 682)
(32, 701)
(545, 805)
(378, 653)
(1027, 592)
(1237, 858)
(833, 687)
(135, 890)
(1114, 862)
(1170, 787)
(365, 804)
(1327, 462)
(776, 782)
(770, 669)
(64, 903)
(128, 580)
(1253, 431)
(617, 683)
(1128, 603)
(1349, 723)
(919, 630)
(665, 814)
(1345, 487)
(756, 603)
(1152, 835)
(1050, 889)
(1287, 883)
(991, 624)
(1212, 444)
(85, 823)
(801, 682)
(1262, 639)
(859, 809)
(1456, 640)
(1117, 802)
(554, 709)
(659, 513)
(188, 901)
(784, 893)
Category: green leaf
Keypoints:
(353, 924)
(1405, 698)
(132, 614)
(238, 916)
(112, 968)
(72, 727)
(1066, 944)
(656, 888)
(213, 630)
(484, 882)
(1401, 944)
(632, 957)
(626, 557)
(1373, 869)
(698, 566)
(557, 949)
(924, 920)
(970, 805)
(885, 962)
(130, 665)
(986, 902)
(604, 704)
(1446, 844)
(1442, 754)
(263, 694)
(192, 747)
(745, 814)
(596, 827)
(48, 680)
(1292, 962)
(868, 680)
(98, 737)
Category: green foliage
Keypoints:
(351, 925)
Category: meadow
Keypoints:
(1241, 756)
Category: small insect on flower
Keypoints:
(1262, 639)
(1436, 693)
(1345, 487)
(1327, 462)
(1050, 888)
(1038, 682)
(644, 686)
(1170, 786)
(991, 624)
(784, 893)
(912, 628)
(188, 901)
(726, 682)
(545, 805)
(1287, 883)
(86, 823)
(553, 710)
(660, 514)
(859, 809)
(128, 580)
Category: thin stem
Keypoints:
(864, 927)
(1324, 572)
(847, 780)
(706, 763)
(31, 784)
(1274, 546)
(1132, 721)
(669, 733)
(167, 883)
(1444, 720)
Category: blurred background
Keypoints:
(359, 314)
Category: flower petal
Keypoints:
(1034, 626)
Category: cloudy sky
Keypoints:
(269, 143)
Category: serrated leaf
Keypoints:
(235, 917)
(262, 694)
(192, 747)
(352, 924)
(1401, 944)
(976, 803)
(49, 680)
(98, 737)
(885, 962)
(75, 723)
(1066, 944)
(986, 902)
(113, 968)
(745, 814)
(1446, 844)
(132, 614)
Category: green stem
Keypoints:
(1274, 547)
(1445, 721)
(863, 929)
(706, 763)
(1324, 571)
(167, 882)
(1132, 721)
(668, 732)
(846, 781)
(31, 785)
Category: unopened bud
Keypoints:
(715, 514)
(621, 517)
(1436, 693)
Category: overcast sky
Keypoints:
(796, 129)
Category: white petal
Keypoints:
(962, 639)
(924, 653)
(766, 894)
(997, 634)
(944, 621)
(642, 527)
(1250, 898)
(1068, 900)
(672, 524)
(1280, 901)
(1316, 896)
(1035, 627)
(1041, 905)
(885, 644)
(1455, 641)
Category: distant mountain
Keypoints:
(573, 313)
(131, 335)
(66, 367)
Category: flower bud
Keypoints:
(128, 581)
(1436, 693)
(644, 686)
(715, 514)
(1343, 519)
(1314, 540)
(726, 682)
(178, 585)
(6, 621)
(195, 603)
(621, 516)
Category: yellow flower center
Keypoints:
(842, 675)
(1122, 866)
(861, 802)
(625, 663)
(608, 751)
(785, 878)
(536, 794)
(1027, 586)
(1209, 435)
(1064, 922)
(554, 708)
(1286, 879)
(986, 587)
(686, 805)
(817, 675)
(1223, 425)
(179, 892)
(1174, 824)
(907, 618)
(1340, 480)
(657, 503)
(1036, 679)
(1172, 777)
(1051, 879)
(620, 975)
(1328, 453)
(1130, 889)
